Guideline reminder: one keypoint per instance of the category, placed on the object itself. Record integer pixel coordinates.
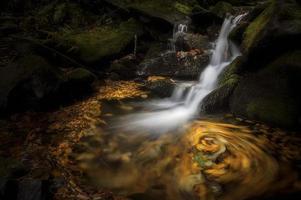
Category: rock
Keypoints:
(190, 41)
(160, 86)
(80, 77)
(78, 82)
(168, 11)
(183, 65)
(204, 18)
(221, 8)
(100, 43)
(124, 68)
(278, 25)
(271, 94)
(60, 13)
(218, 100)
(233, 71)
(27, 82)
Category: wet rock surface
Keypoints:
(183, 65)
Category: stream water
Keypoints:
(184, 104)
(164, 153)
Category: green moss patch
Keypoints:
(280, 111)
(98, 43)
(255, 30)
(171, 11)
(221, 8)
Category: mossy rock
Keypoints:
(99, 43)
(279, 111)
(280, 19)
(221, 8)
(125, 68)
(271, 94)
(161, 86)
(218, 100)
(78, 83)
(232, 71)
(27, 80)
(169, 11)
(63, 12)
(81, 76)
(257, 29)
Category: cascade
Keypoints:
(183, 105)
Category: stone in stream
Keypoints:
(183, 65)
(160, 86)
(263, 84)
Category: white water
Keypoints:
(184, 104)
(179, 30)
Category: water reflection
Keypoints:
(210, 160)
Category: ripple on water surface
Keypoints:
(211, 160)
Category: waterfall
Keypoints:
(179, 30)
(183, 105)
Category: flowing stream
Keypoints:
(184, 104)
(219, 158)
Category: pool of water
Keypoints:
(210, 158)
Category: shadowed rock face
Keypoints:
(263, 84)
(185, 66)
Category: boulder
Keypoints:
(188, 41)
(271, 94)
(27, 81)
(124, 68)
(100, 43)
(221, 9)
(278, 25)
(161, 86)
(31, 82)
(61, 13)
(171, 12)
(77, 83)
(180, 65)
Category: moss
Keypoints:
(255, 30)
(96, 44)
(168, 10)
(59, 13)
(81, 75)
(185, 9)
(218, 100)
(231, 72)
(278, 111)
(284, 62)
(221, 8)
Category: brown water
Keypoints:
(209, 160)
